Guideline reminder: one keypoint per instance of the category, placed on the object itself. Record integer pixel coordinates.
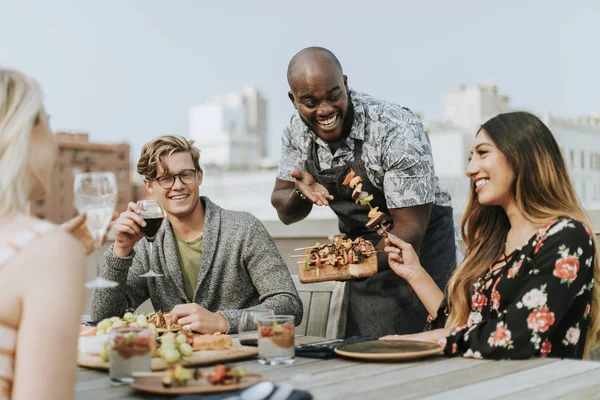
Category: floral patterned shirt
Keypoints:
(537, 304)
(396, 152)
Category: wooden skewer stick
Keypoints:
(298, 256)
(304, 248)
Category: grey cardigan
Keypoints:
(240, 269)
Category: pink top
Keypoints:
(8, 334)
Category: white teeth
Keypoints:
(183, 196)
(329, 121)
(481, 182)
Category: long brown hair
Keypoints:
(542, 190)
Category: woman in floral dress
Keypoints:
(526, 285)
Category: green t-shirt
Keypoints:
(189, 258)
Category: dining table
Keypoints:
(434, 377)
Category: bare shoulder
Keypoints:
(53, 250)
(58, 244)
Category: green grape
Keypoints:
(141, 320)
(185, 349)
(100, 332)
(167, 338)
(171, 355)
(105, 354)
(134, 325)
(128, 316)
(152, 327)
(105, 323)
(119, 324)
(181, 339)
(168, 346)
(115, 319)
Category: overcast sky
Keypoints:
(129, 70)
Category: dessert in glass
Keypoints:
(130, 351)
(276, 339)
(248, 326)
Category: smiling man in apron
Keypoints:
(337, 129)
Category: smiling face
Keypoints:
(490, 173)
(181, 199)
(320, 94)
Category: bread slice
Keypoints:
(216, 341)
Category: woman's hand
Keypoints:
(402, 258)
(77, 227)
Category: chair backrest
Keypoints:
(325, 305)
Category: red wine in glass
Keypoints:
(153, 215)
(152, 225)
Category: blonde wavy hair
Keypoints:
(163, 146)
(20, 107)
(542, 190)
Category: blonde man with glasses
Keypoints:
(215, 263)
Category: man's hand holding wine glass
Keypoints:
(128, 230)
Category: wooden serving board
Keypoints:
(151, 382)
(200, 357)
(366, 268)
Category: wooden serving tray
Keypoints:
(199, 357)
(366, 268)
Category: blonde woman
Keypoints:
(526, 286)
(41, 268)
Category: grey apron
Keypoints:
(384, 303)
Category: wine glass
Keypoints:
(248, 326)
(153, 215)
(95, 194)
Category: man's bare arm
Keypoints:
(289, 205)
(410, 224)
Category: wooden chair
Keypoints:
(325, 305)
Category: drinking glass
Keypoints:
(153, 214)
(248, 326)
(130, 351)
(276, 340)
(95, 194)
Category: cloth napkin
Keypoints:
(326, 350)
(295, 395)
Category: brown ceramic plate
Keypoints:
(151, 383)
(389, 350)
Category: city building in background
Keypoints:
(231, 130)
(77, 154)
(467, 107)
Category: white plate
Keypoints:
(92, 344)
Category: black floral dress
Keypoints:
(537, 304)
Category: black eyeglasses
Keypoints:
(186, 177)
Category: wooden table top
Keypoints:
(432, 378)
